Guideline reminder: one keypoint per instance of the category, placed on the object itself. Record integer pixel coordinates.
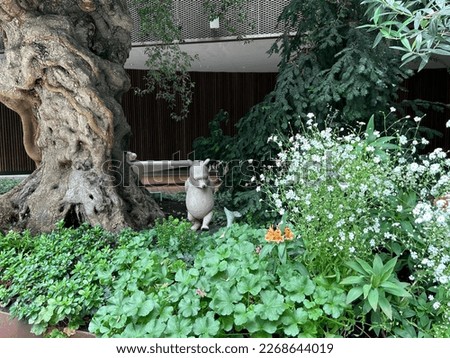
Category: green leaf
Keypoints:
(366, 289)
(405, 42)
(186, 277)
(176, 292)
(385, 306)
(373, 298)
(365, 266)
(353, 294)
(272, 305)
(242, 314)
(250, 283)
(134, 330)
(292, 320)
(298, 286)
(210, 264)
(315, 314)
(266, 250)
(260, 325)
(377, 265)
(356, 267)
(178, 327)
(388, 269)
(352, 280)
(336, 307)
(189, 306)
(395, 289)
(370, 130)
(155, 328)
(146, 308)
(131, 305)
(206, 326)
(282, 254)
(226, 322)
(223, 301)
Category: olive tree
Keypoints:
(63, 74)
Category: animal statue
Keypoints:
(199, 195)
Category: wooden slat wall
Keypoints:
(13, 158)
(156, 136)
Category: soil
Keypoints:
(174, 208)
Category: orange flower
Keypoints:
(277, 236)
(288, 234)
(270, 234)
(274, 235)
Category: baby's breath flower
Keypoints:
(392, 109)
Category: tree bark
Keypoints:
(64, 75)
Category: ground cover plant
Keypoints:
(48, 280)
(7, 184)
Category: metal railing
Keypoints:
(262, 16)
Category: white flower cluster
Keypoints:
(332, 187)
(329, 185)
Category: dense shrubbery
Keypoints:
(356, 195)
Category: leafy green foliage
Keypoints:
(168, 75)
(7, 184)
(175, 236)
(377, 284)
(329, 68)
(328, 65)
(419, 28)
(231, 288)
(361, 201)
(239, 285)
(168, 65)
(50, 280)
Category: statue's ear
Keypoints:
(206, 161)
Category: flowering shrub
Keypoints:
(330, 186)
(353, 195)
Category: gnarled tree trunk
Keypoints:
(64, 76)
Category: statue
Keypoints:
(199, 195)
(231, 215)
